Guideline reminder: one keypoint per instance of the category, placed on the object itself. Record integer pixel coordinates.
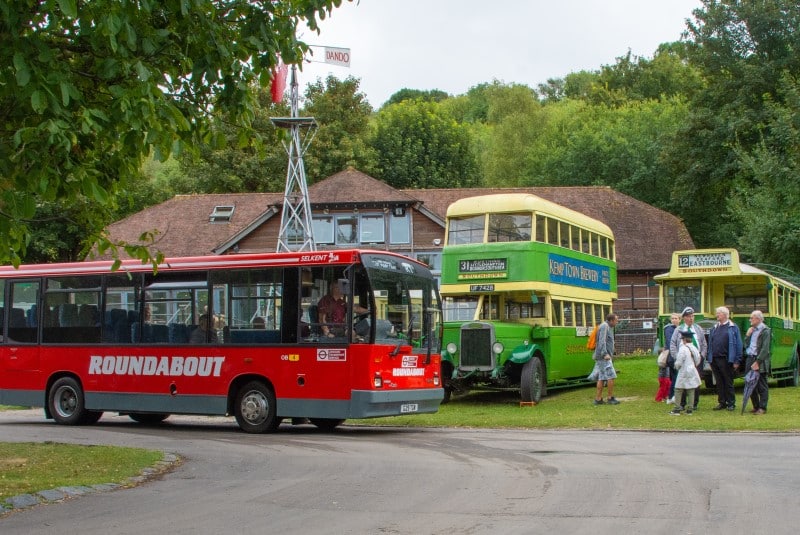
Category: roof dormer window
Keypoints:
(221, 214)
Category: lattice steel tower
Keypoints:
(296, 233)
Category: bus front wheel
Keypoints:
(255, 408)
(66, 403)
(531, 384)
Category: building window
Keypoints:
(221, 214)
(323, 229)
(432, 260)
(400, 228)
(372, 228)
(346, 229)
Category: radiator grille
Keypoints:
(476, 347)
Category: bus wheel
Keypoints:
(446, 373)
(255, 408)
(448, 393)
(326, 424)
(148, 418)
(531, 383)
(66, 402)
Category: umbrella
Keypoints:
(750, 380)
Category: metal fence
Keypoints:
(636, 331)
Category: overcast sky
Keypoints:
(454, 45)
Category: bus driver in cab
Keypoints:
(332, 310)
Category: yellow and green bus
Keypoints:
(524, 280)
(705, 279)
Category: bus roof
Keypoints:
(238, 261)
(524, 202)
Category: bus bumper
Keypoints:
(374, 403)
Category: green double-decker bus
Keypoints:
(705, 279)
(524, 281)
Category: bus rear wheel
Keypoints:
(66, 403)
(326, 424)
(796, 375)
(531, 383)
(255, 408)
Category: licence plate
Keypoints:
(409, 407)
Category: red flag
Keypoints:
(279, 81)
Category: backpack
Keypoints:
(663, 356)
(592, 342)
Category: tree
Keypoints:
(343, 115)
(743, 50)
(668, 74)
(88, 89)
(419, 145)
(575, 143)
(766, 213)
(431, 95)
(235, 165)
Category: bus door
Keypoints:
(20, 324)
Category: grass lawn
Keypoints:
(636, 386)
(26, 468)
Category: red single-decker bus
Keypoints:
(240, 335)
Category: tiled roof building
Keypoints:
(351, 208)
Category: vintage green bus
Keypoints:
(705, 279)
(524, 280)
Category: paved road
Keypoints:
(427, 481)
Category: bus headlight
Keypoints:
(497, 347)
(377, 382)
(436, 381)
(451, 348)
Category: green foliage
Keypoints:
(57, 231)
(343, 115)
(260, 162)
(431, 95)
(632, 78)
(88, 89)
(635, 387)
(419, 145)
(743, 50)
(767, 211)
(574, 143)
(230, 163)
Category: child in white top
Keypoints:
(687, 379)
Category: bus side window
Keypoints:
(2, 309)
(23, 297)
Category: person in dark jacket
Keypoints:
(757, 345)
(725, 356)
